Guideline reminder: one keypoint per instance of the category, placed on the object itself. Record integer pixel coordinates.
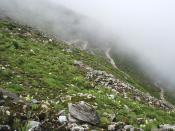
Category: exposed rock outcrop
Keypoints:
(83, 112)
(4, 94)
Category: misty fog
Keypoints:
(145, 28)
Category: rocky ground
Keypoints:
(47, 85)
(81, 116)
(121, 88)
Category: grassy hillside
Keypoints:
(36, 67)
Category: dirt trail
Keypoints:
(162, 97)
(85, 45)
(162, 94)
(110, 58)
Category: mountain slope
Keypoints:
(39, 77)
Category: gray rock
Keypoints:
(167, 127)
(128, 127)
(77, 63)
(62, 119)
(83, 112)
(137, 98)
(120, 125)
(116, 126)
(112, 127)
(75, 127)
(112, 117)
(10, 95)
(33, 126)
(140, 121)
(34, 101)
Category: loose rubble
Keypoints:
(109, 81)
(39, 114)
(165, 127)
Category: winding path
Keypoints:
(162, 97)
(110, 58)
(85, 45)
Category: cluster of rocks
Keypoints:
(120, 126)
(125, 89)
(165, 127)
(82, 117)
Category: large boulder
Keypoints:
(83, 112)
(5, 93)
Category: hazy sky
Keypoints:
(146, 26)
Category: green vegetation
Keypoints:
(33, 67)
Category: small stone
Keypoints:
(3, 68)
(50, 40)
(86, 127)
(34, 101)
(115, 126)
(112, 127)
(112, 117)
(75, 127)
(33, 125)
(5, 97)
(167, 127)
(62, 119)
(128, 127)
(112, 96)
(8, 113)
(140, 121)
(32, 51)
